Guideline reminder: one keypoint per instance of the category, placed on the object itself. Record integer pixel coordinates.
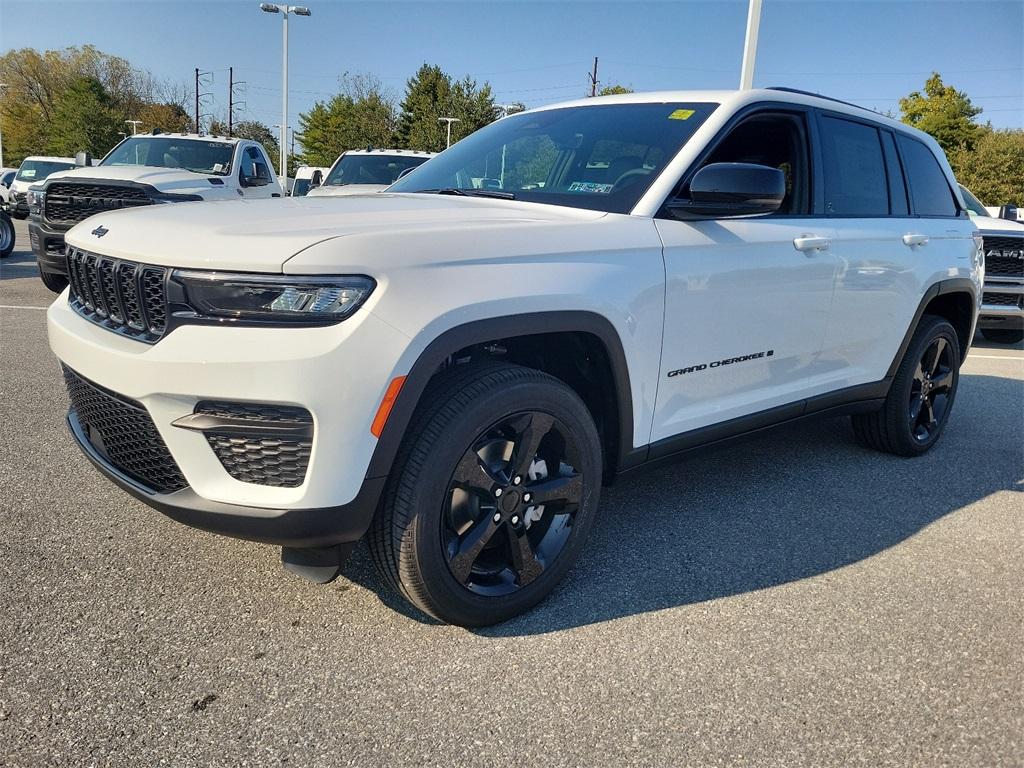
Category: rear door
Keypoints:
(896, 227)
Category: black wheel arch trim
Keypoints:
(941, 288)
(494, 329)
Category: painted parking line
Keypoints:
(994, 357)
(19, 306)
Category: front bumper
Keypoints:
(48, 246)
(1002, 305)
(338, 373)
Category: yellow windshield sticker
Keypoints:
(682, 114)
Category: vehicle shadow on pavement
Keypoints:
(793, 504)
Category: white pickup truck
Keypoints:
(360, 171)
(142, 170)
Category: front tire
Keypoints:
(6, 236)
(53, 281)
(1004, 335)
(921, 395)
(492, 495)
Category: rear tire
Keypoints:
(53, 281)
(1004, 335)
(456, 534)
(921, 394)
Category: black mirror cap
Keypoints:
(83, 160)
(720, 190)
(1008, 212)
(318, 179)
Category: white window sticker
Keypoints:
(590, 187)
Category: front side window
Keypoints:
(929, 189)
(196, 155)
(854, 168)
(601, 157)
(370, 169)
(974, 205)
(37, 170)
(777, 140)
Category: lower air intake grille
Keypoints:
(261, 459)
(121, 430)
(1002, 299)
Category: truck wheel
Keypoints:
(6, 236)
(491, 497)
(1004, 335)
(921, 395)
(53, 281)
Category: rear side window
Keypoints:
(855, 180)
(929, 189)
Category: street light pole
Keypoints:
(449, 121)
(750, 45)
(3, 86)
(285, 11)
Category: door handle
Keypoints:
(915, 239)
(811, 243)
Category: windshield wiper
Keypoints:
(473, 193)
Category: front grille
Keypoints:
(122, 296)
(260, 459)
(1004, 256)
(70, 203)
(1003, 299)
(121, 430)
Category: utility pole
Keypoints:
(231, 98)
(197, 99)
(593, 79)
(3, 87)
(449, 121)
(750, 45)
(135, 125)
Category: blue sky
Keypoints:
(870, 53)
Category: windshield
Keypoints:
(370, 169)
(170, 152)
(973, 204)
(37, 170)
(601, 157)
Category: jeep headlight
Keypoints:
(270, 298)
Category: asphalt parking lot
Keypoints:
(796, 600)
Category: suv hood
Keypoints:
(990, 224)
(171, 180)
(261, 235)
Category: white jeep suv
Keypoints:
(455, 367)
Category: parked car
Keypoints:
(455, 367)
(360, 171)
(1001, 317)
(6, 179)
(7, 236)
(307, 177)
(142, 170)
(33, 170)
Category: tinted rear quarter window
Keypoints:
(929, 189)
(855, 179)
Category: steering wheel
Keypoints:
(632, 173)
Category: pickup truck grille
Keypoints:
(121, 296)
(69, 203)
(1004, 256)
(122, 431)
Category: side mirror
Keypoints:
(720, 190)
(1008, 212)
(260, 177)
(83, 160)
(317, 180)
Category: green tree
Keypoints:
(427, 98)
(83, 119)
(614, 90)
(362, 115)
(994, 169)
(473, 105)
(944, 112)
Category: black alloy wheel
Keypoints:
(930, 389)
(511, 503)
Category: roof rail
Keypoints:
(821, 96)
